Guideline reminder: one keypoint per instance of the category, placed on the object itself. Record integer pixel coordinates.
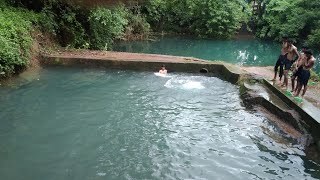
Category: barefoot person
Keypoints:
(280, 61)
(163, 70)
(298, 68)
(292, 54)
(304, 76)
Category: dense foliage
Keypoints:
(73, 27)
(299, 19)
(107, 25)
(67, 22)
(15, 38)
(209, 18)
(98, 28)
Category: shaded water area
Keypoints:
(110, 124)
(248, 52)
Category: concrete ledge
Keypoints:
(309, 119)
(192, 66)
(250, 100)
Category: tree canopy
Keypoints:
(299, 19)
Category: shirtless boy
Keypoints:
(292, 53)
(163, 70)
(298, 68)
(280, 61)
(304, 76)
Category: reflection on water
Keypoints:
(97, 124)
(241, 52)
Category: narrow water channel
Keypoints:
(106, 124)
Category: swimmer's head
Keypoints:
(163, 67)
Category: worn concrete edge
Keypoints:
(251, 99)
(216, 69)
(313, 124)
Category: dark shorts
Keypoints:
(287, 64)
(297, 73)
(304, 77)
(280, 63)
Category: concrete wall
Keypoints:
(218, 70)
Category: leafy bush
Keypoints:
(10, 57)
(314, 37)
(215, 18)
(314, 76)
(66, 21)
(207, 18)
(106, 25)
(15, 38)
(137, 28)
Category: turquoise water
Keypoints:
(241, 52)
(108, 124)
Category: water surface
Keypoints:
(108, 124)
(249, 52)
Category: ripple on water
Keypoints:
(89, 124)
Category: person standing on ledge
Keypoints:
(163, 70)
(298, 68)
(281, 59)
(307, 65)
(291, 57)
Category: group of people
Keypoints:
(300, 63)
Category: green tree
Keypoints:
(205, 18)
(107, 25)
(298, 19)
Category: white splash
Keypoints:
(193, 85)
(101, 174)
(162, 75)
(183, 84)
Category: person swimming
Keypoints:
(163, 70)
